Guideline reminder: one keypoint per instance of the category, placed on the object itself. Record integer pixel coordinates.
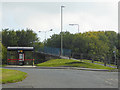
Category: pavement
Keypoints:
(73, 68)
(24, 66)
(62, 67)
(64, 78)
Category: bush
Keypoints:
(4, 55)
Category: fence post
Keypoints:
(118, 62)
(92, 58)
(72, 55)
(81, 56)
(7, 57)
(105, 61)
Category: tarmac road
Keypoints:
(65, 78)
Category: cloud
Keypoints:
(41, 19)
(89, 21)
(0, 16)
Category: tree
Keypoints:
(4, 54)
(95, 45)
(18, 38)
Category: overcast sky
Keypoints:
(43, 16)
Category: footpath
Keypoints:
(62, 67)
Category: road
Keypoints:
(65, 78)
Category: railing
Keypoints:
(55, 51)
(17, 60)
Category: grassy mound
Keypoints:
(98, 62)
(73, 63)
(11, 76)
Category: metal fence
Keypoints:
(55, 51)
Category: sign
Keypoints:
(20, 50)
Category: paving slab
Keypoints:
(75, 68)
(24, 66)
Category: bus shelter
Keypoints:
(20, 55)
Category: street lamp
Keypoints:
(61, 28)
(114, 52)
(76, 25)
(45, 32)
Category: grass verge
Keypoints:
(98, 62)
(73, 63)
(11, 76)
(2, 65)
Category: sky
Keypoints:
(43, 16)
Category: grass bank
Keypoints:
(98, 62)
(73, 63)
(3, 65)
(11, 76)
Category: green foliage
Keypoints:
(4, 55)
(95, 45)
(11, 76)
(54, 41)
(18, 38)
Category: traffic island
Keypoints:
(11, 76)
(74, 64)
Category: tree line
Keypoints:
(94, 45)
(18, 38)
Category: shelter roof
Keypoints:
(20, 48)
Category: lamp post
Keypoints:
(61, 28)
(76, 25)
(45, 32)
(33, 61)
(114, 52)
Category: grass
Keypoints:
(11, 76)
(3, 65)
(73, 63)
(97, 62)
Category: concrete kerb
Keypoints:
(76, 68)
(17, 66)
(73, 68)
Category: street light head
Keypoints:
(51, 29)
(39, 31)
(62, 6)
(71, 24)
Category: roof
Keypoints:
(20, 48)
